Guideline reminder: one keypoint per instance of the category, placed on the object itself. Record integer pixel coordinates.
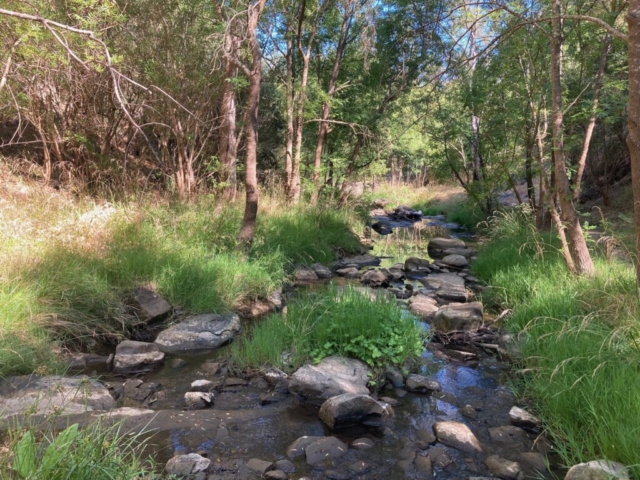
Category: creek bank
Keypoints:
(447, 406)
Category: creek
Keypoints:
(241, 425)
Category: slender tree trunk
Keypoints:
(288, 160)
(228, 148)
(248, 228)
(582, 161)
(295, 188)
(571, 220)
(323, 128)
(633, 137)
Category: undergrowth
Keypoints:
(579, 340)
(68, 268)
(350, 322)
(96, 452)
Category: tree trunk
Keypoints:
(571, 220)
(582, 161)
(228, 148)
(323, 129)
(633, 137)
(288, 160)
(248, 228)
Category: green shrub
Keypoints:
(345, 321)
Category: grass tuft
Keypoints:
(351, 322)
(579, 338)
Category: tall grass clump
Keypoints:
(349, 322)
(96, 452)
(578, 340)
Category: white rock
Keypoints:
(457, 435)
(598, 470)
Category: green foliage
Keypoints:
(578, 340)
(350, 322)
(71, 284)
(95, 452)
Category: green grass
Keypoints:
(579, 338)
(96, 452)
(68, 280)
(332, 321)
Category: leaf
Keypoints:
(59, 448)
(25, 456)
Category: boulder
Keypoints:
(510, 436)
(276, 300)
(423, 306)
(468, 316)
(183, 466)
(420, 384)
(375, 279)
(465, 252)
(260, 466)
(305, 274)
(298, 447)
(132, 356)
(137, 390)
(443, 280)
(438, 245)
(349, 409)
(455, 261)
(332, 376)
(321, 271)
(148, 305)
(359, 261)
(276, 475)
(412, 264)
(598, 470)
(52, 395)
(198, 400)
(521, 418)
(394, 375)
(457, 435)
(200, 332)
(380, 202)
(327, 448)
(285, 465)
(85, 361)
(504, 468)
(349, 272)
(382, 228)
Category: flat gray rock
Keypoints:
(327, 448)
(504, 468)
(423, 306)
(298, 447)
(201, 332)
(455, 261)
(187, 465)
(359, 261)
(132, 356)
(53, 395)
(305, 274)
(467, 316)
(332, 376)
(438, 245)
(420, 384)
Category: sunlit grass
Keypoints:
(579, 338)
